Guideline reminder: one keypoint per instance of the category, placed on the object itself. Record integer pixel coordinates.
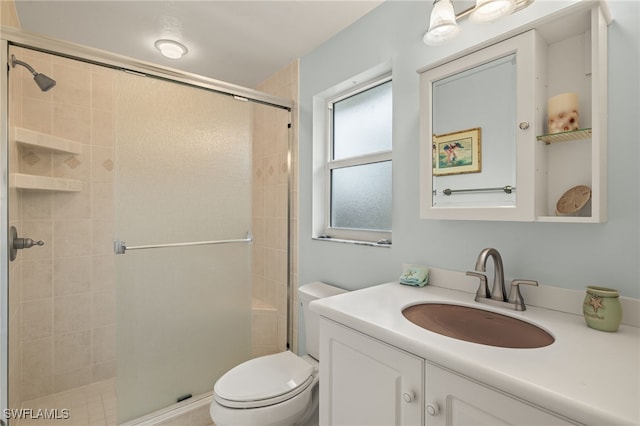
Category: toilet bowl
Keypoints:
(279, 389)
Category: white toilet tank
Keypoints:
(306, 294)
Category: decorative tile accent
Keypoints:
(72, 162)
(108, 165)
(31, 158)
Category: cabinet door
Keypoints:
(476, 155)
(366, 382)
(453, 400)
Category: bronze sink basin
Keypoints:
(477, 326)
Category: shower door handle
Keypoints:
(16, 243)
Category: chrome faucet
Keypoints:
(498, 292)
(497, 295)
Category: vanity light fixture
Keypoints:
(443, 24)
(171, 49)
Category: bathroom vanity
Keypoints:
(378, 368)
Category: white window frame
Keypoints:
(326, 231)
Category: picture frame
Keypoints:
(457, 152)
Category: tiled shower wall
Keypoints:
(66, 299)
(272, 261)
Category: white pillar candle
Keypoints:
(562, 111)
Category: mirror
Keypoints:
(477, 155)
(474, 153)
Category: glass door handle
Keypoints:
(16, 243)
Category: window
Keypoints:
(358, 167)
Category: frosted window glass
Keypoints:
(361, 196)
(362, 123)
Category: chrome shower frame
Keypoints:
(4, 234)
(13, 37)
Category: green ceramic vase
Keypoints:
(601, 308)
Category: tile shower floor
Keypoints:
(91, 405)
(95, 405)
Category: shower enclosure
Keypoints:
(180, 172)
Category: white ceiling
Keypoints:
(239, 41)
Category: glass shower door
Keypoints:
(183, 174)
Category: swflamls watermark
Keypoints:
(37, 413)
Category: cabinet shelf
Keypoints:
(571, 135)
(36, 140)
(566, 219)
(43, 183)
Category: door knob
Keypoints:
(433, 409)
(16, 243)
(408, 396)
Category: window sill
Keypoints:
(354, 242)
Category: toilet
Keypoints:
(279, 389)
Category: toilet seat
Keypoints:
(264, 381)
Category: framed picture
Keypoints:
(458, 152)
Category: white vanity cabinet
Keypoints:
(454, 400)
(367, 382)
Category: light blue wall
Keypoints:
(562, 255)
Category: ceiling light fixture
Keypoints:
(443, 24)
(171, 49)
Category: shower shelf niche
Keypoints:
(36, 140)
(43, 183)
(30, 139)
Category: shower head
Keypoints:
(44, 82)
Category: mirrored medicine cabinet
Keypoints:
(485, 148)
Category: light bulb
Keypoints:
(491, 10)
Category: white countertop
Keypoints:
(587, 375)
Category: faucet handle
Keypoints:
(515, 296)
(483, 289)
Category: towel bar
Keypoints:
(120, 247)
(508, 189)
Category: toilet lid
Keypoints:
(263, 378)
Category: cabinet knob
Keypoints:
(409, 396)
(433, 409)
